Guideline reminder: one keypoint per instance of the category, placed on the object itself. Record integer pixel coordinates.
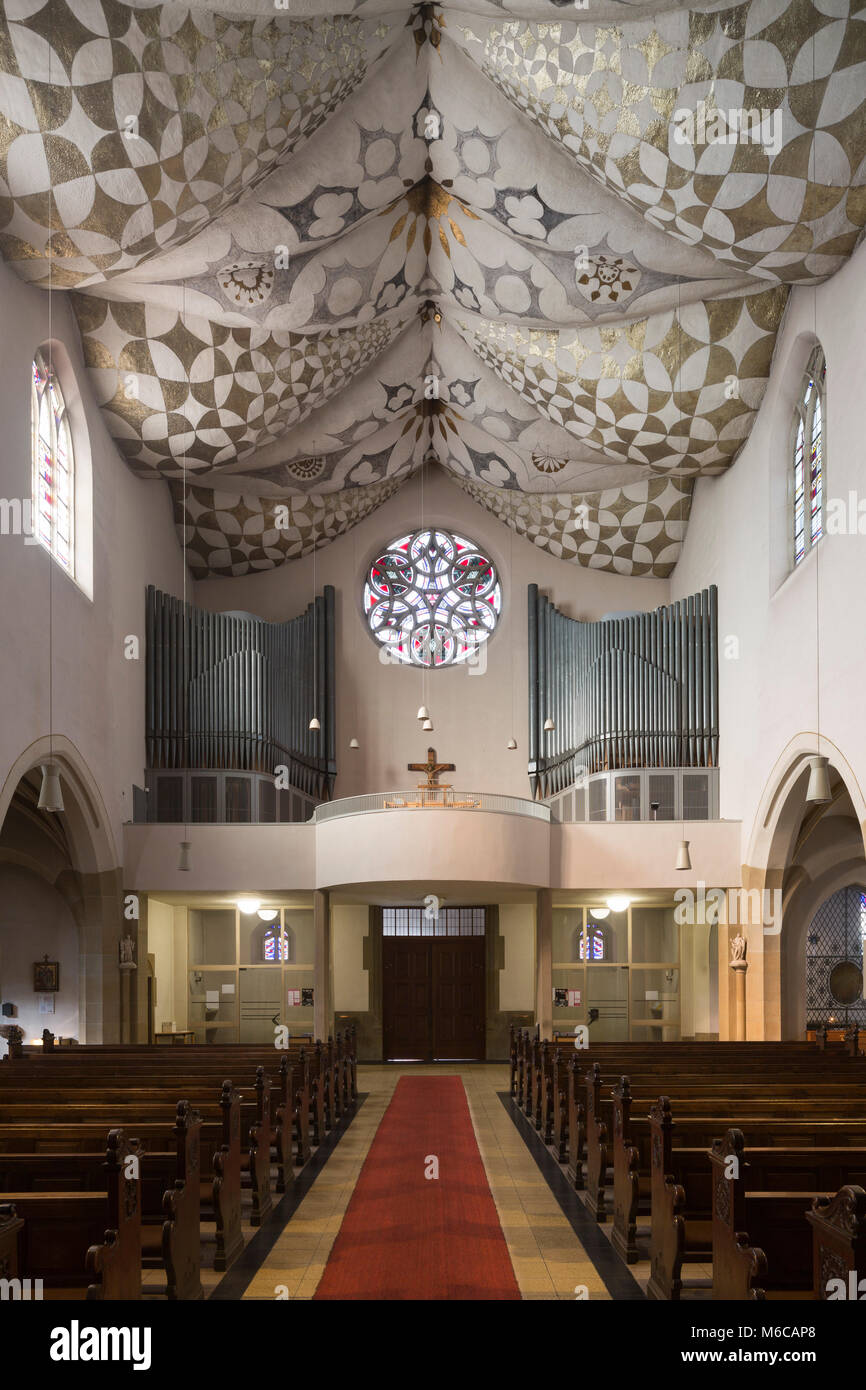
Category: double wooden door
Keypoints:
(433, 998)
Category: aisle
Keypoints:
(422, 1223)
(546, 1255)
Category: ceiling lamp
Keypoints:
(618, 902)
(684, 860)
(423, 713)
(268, 914)
(599, 913)
(512, 744)
(549, 725)
(183, 863)
(249, 905)
(353, 743)
(818, 790)
(50, 795)
(314, 724)
(427, 725)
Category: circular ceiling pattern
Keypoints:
(432, 598)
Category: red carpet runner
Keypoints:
(406, 1236)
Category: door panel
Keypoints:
(458, 997)
(406, 968)
(260, 1003)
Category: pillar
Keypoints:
(739, 968)
(322, 1010)
(544, 961)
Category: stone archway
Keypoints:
(74, 851)
(798, 855)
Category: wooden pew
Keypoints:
(168, 1195)
(762, 1242)
(220, 1150)
(839, 1245)
(67, 1236)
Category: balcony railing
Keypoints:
(430, 799)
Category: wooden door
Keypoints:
(458, 997)
(433, 998)
(406, 994)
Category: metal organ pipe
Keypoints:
(223, 691)
(640, 691)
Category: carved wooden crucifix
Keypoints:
(431, 767)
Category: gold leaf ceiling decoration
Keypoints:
(549, 252)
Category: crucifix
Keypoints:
(431, 767)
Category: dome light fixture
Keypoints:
(599, 913)
(249, 905)
(618, 902)
(268, 914)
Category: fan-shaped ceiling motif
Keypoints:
(548, 252)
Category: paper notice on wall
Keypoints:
(294, 997)
(212, 999)
(574, 998)
(228, 989)
(652, 994)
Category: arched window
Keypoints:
(53, 466)
(837, 933)
(809, 449)
(274, 944)
(592, 944)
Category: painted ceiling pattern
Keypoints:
(546, 251)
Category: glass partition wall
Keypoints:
(617, 972)
(248, 972)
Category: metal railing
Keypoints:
(430, 799)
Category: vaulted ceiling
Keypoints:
(308, 255)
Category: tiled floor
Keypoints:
(549, 1261)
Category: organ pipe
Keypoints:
(628, 692)
(230, 691)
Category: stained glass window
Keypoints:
(274, 945)
(432, 598)
(809, 443)
(836, 933)
(53, 470)
(592, 944)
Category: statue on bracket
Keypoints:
(738, 950)
(127, 952)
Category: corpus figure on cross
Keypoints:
(431, 767)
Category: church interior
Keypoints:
(432, 759)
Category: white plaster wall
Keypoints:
(737, 538)
(351, 982)
(472, 713)
(98, 695)
(36, 921)
(517, 977)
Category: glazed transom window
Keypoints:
(53, 478)
(432, 598)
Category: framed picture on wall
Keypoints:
(46, 976)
